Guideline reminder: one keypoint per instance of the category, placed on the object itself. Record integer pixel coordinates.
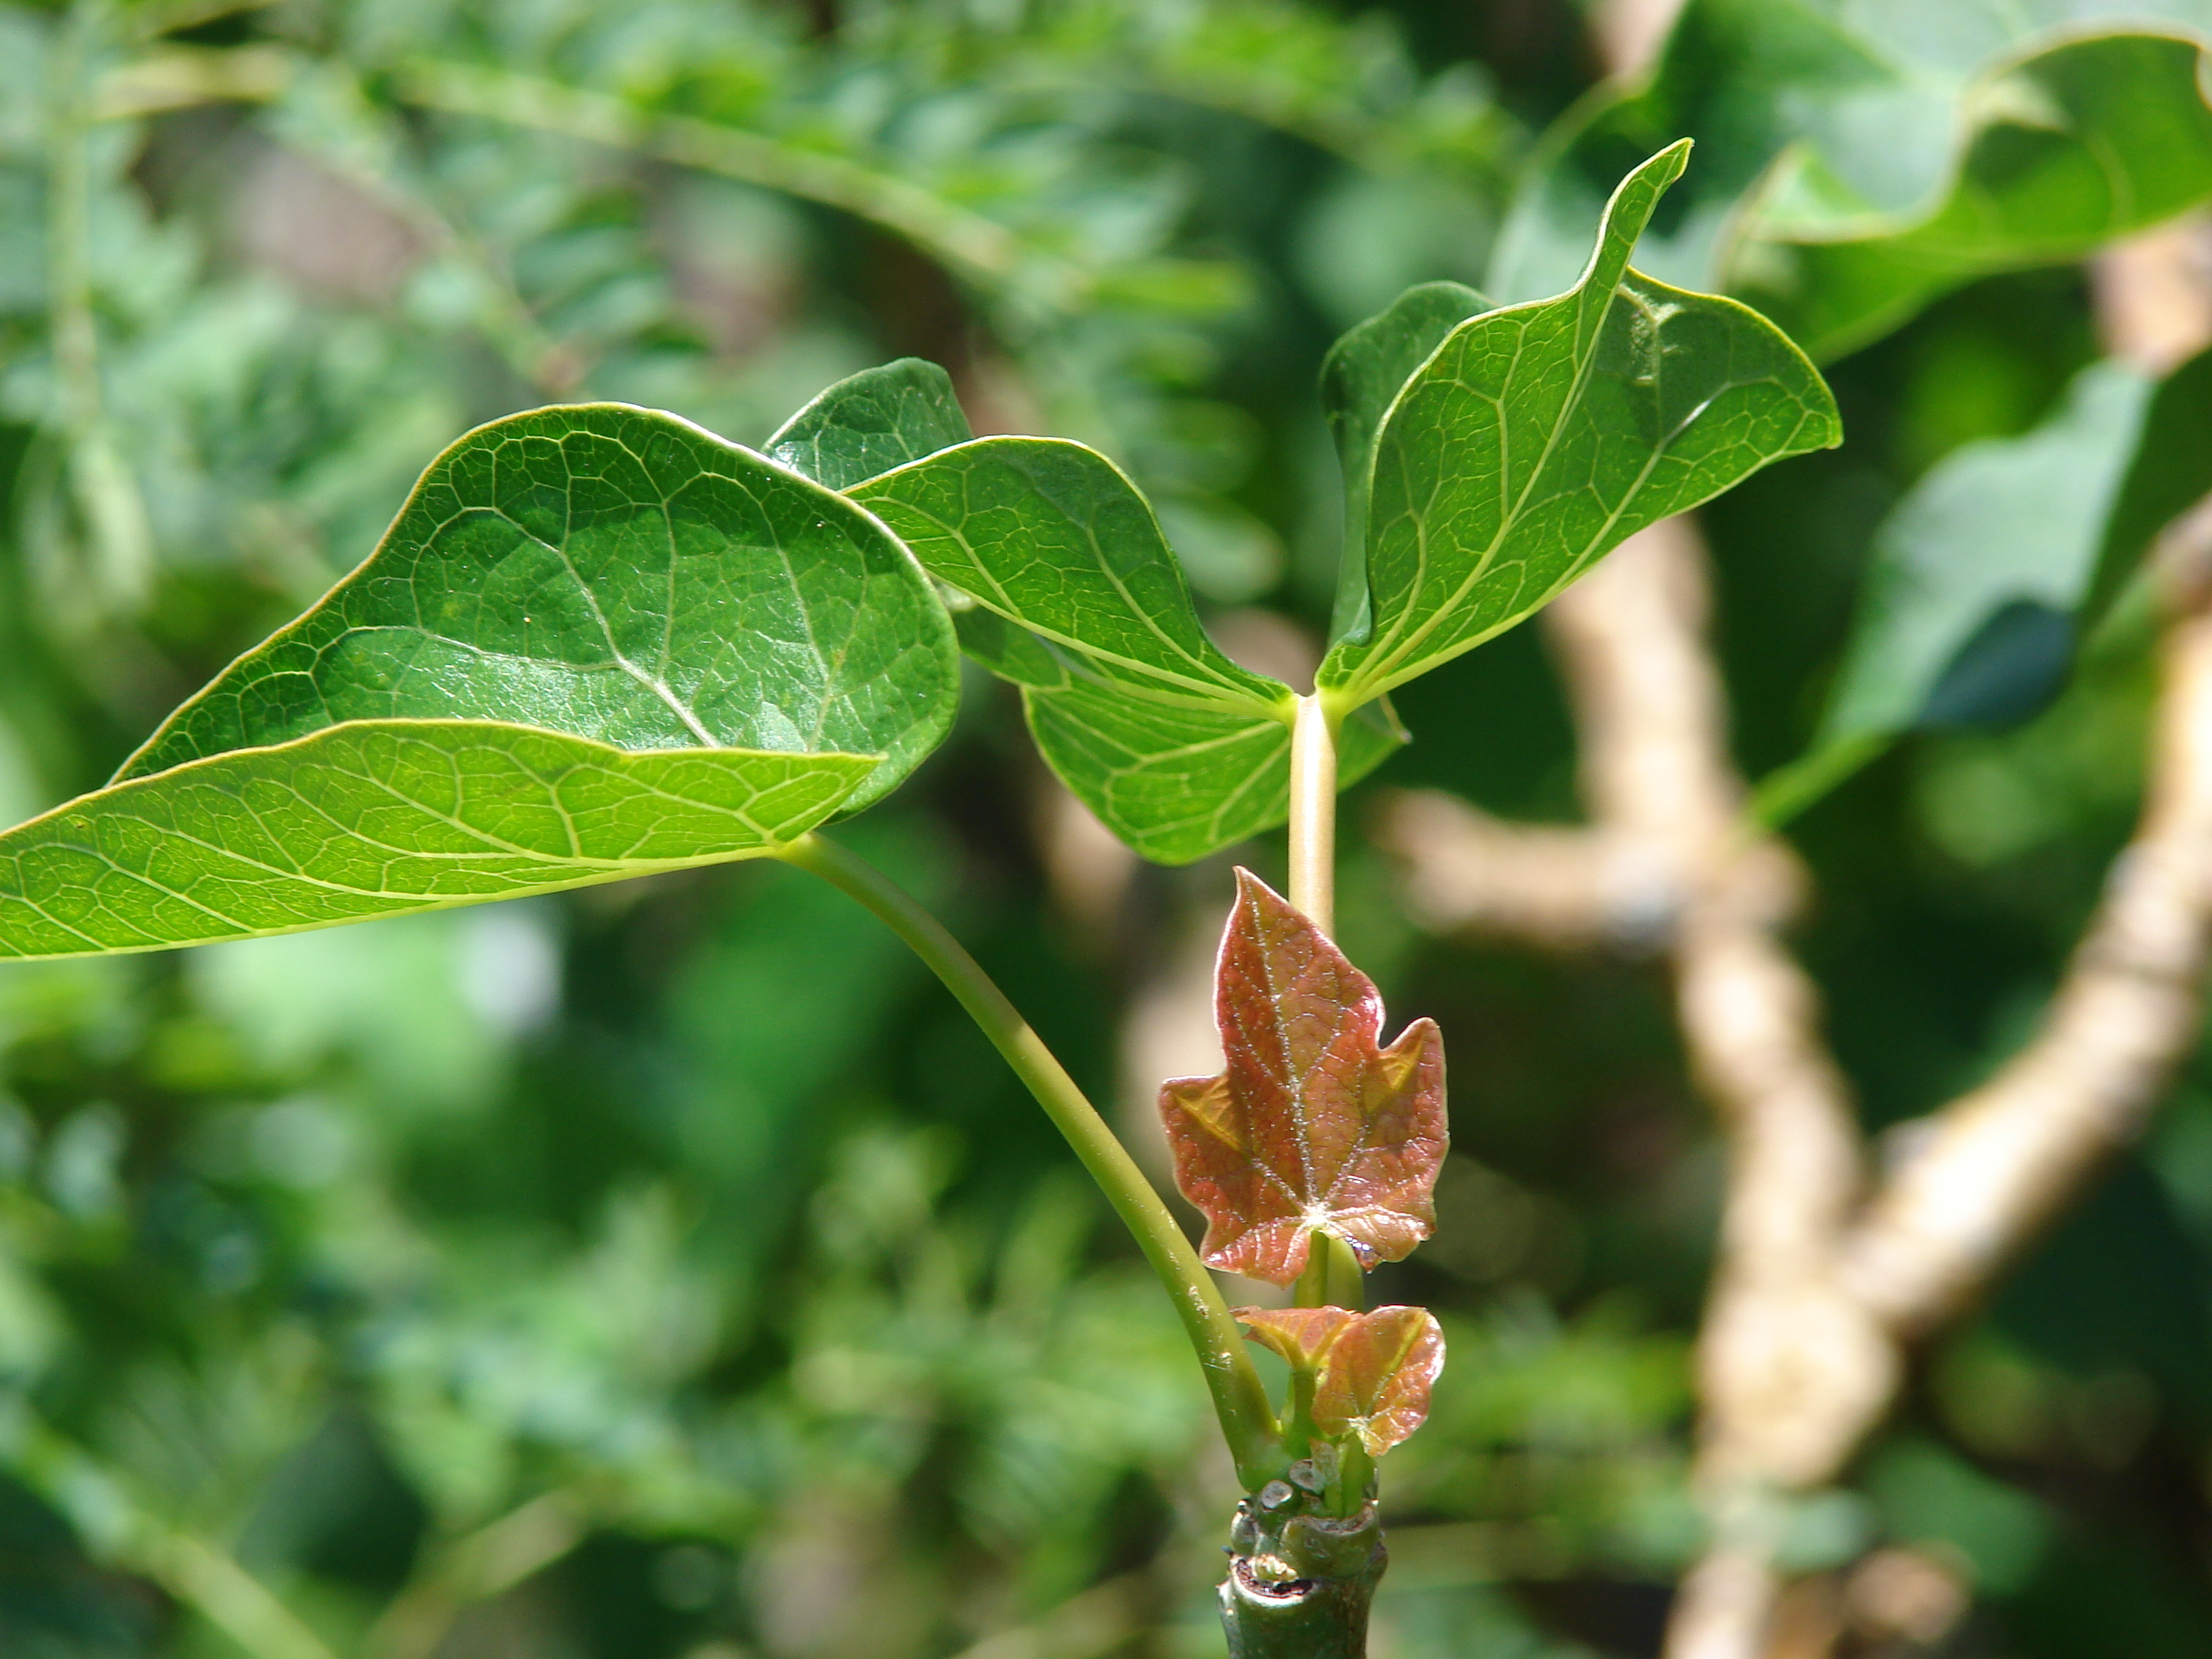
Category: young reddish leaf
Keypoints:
(1376, 1380)
(1312, 1126)
(1373, 1372)
(1303, 1336)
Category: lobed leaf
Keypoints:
(870, 423)
(1080, 600)
(1535, 439)
(1311, 1125)
(1373, 1372)
(369, 818)
(1860, 159)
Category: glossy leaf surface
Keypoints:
(1537, 438)
(618, 575)
(1373, 1372)
(1361, 376)
(1311, 1125)
(871, 422)
(1080, 601)
(371, 818)
(1860, 159)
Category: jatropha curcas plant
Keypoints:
(599, 642)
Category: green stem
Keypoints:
(107, 499)
(1248, 1421)
(1332, 1278)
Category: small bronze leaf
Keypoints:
(1373, 1372)
(1312, 1126)
(1376, 1380)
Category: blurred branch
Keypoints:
(105, 1507)
(474, 1568)
(968, 242)
(113, 515)
(1822, 1282)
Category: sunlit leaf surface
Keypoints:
(1312, 1126)
(1177, 748)
(371, 818)
(1536, 439)
(870, 423)
(618, 574)
(1373, 1372)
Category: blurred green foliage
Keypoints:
(669, 1269)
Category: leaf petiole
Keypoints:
(1248, 1420)
(1313, 811)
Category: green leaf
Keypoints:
(1078, 599)
(1998, 562)
(2005, 522)
(370, 818)
(1537, 438)
(617, 575)
(870, 423)
(1859, 161)
(1360, 377)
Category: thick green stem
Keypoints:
(1300, 1582)
(1248, 1421)
(1313, 812)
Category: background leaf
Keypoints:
(371, 818)
(615, 574)
(1537, 438)
(1855, 161)
(1310, 1126)
(1995, 566)
(870, 423)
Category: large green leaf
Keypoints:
(870, 423)
(1988, 574)
(1535, 439)
(1860, 157)
(370, 818)
(1080, 600)
(597, 643)
(1360, 377)
(617, 575)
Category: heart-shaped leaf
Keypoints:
(1080, 600)
(1373, 1373)
(597, 643)
(1360, 378)
(1312, 1127)
(1537, 438)
(374, 818)
(1857, 160)
(618, 574)
(870, 423)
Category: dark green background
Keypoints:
(691, 1204)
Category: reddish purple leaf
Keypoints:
(1312, 1126)
(1373, 1372)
